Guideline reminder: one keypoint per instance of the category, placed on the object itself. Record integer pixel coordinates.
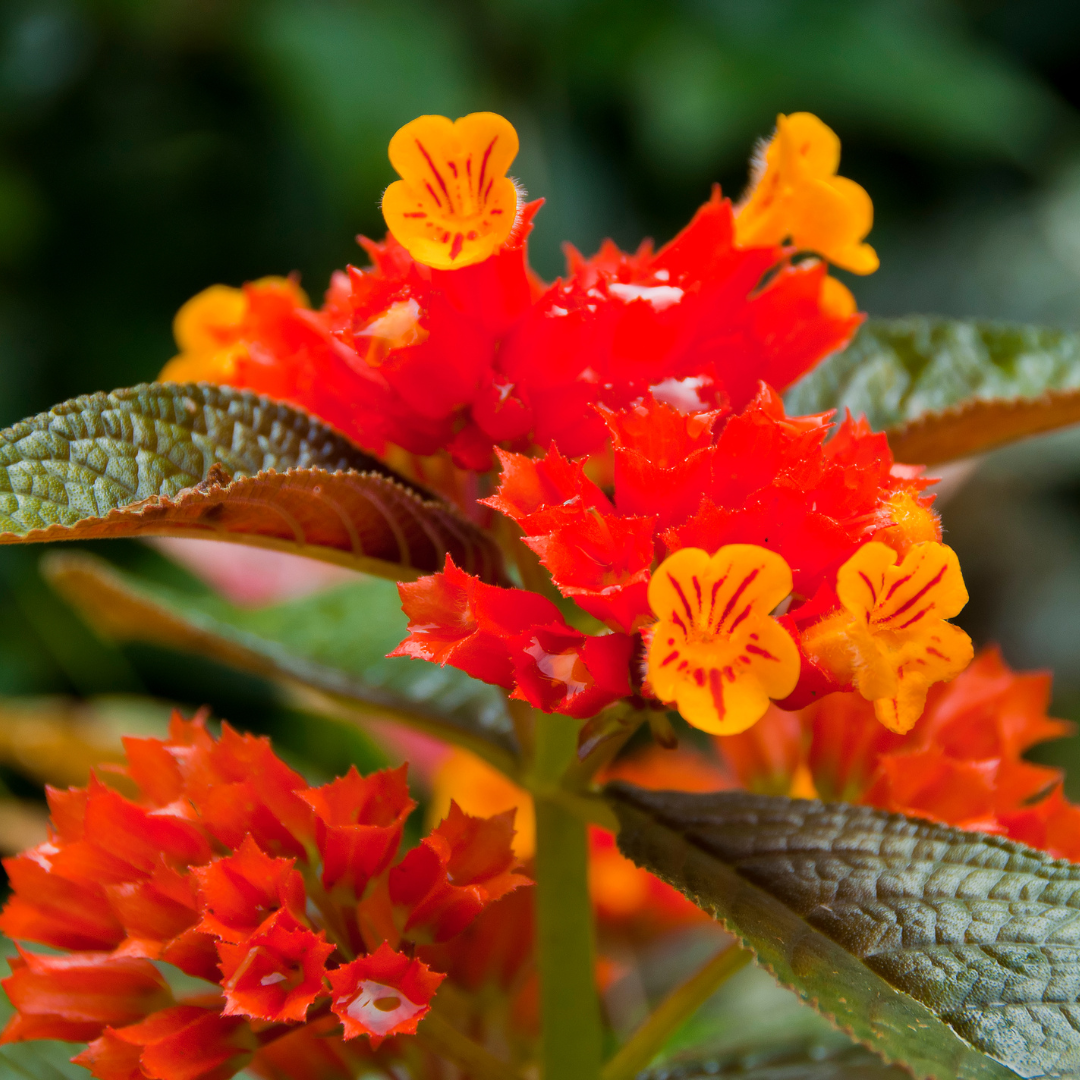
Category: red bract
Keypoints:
(382, 994)
(186, 1042)
(515, 639)
(467, 359)
(247, 892)
(127, 881)
(464, 865)
(359, 820)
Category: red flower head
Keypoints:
(182, 874)
(449, 341)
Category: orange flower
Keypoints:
(716, 652)
(454, 204)
(890, 638)
(796, 195)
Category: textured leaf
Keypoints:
(944, 388)
(329, 649)
(926, 943)
(201, 460)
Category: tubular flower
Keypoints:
(716, 652)
(890, 638)
(962, 764)
(797, 196)
(218, 868)
(453, 205)
(449, 342)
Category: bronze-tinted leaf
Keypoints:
(947, 388)
(363, 521)
(202, 460)
(954, 953)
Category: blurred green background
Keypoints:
(151, 147)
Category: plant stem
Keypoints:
(569, 1008)
(444, 1040)
(673, 1012)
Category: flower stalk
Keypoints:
(571, 1041)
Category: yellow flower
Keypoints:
(891, 638)
(716, 652)
(213, 328)
(454, 204)
(797, 196)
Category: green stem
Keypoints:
(672, 1013)
(569, 1008)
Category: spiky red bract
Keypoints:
(465, 864)
(247, 891)
(466, 359)
(157, 878)
(359, 821)
(513, 638)
(384, 993)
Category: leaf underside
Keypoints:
(202, 460)
(328, 651)
(954, 953)
(944, 388)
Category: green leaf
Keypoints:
(328, 650)
(956, 954)
(945, 388)
(201, 460)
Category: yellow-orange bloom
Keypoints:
(891, 638)
(797, 196)
(454, 204)
(214, 329)
(716, 652)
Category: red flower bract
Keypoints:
(515, 639)
(465, 359)
(158, 878)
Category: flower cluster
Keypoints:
(789, 516)
(289, 901)
(450, 342)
